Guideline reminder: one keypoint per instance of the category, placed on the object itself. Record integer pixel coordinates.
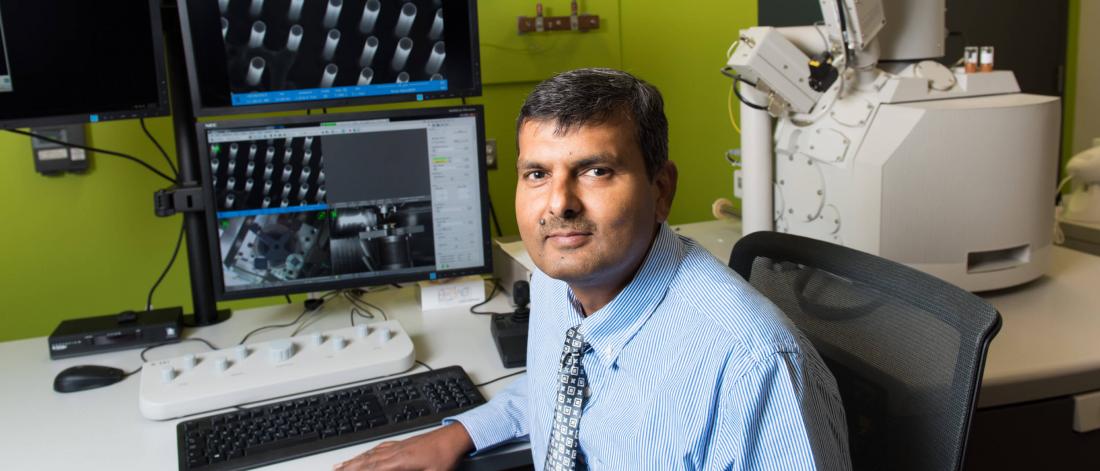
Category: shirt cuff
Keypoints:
(486, 425)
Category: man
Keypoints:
(670, 360)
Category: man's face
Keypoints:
(598, 207)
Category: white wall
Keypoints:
(1087, 112)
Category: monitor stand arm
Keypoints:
(188, 193)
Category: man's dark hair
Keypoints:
(595, 96)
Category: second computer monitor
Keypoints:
(327, 201)
(73, 62)
(246, 56)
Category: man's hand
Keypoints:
(437, 450)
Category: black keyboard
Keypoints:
(262, 435)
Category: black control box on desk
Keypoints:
(126, 330)
(510, 329)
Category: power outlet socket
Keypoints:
(738, 184)
(491, 154)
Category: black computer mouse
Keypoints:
(79, 378)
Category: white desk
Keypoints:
(1047, 348)
(102, 429)
(1049, 345)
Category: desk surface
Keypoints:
(103, 429)
(1046, 348)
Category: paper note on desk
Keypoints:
(463, 291)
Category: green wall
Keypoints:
(1069, 106)
(76, 246)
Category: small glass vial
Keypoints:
(970, 59)
(987, 59)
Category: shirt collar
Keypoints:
(609, 329)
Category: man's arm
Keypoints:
(782, 414)
(503, 418)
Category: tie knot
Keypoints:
(574, 341)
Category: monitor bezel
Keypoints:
(162, 108)
(202, 110)
(213, 240)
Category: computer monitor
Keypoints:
(73, 61)
(329, 201)
(247, 56)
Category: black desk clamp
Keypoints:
(178, 199)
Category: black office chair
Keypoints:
(907, 349)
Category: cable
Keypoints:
(739, 97)
(192, 339)
(314, 305)
(500, 378)
(496, 222)
(146, 350)
(730, 50)
(305, 324)
(729, 108)
(1059, 234)
(163, 152)
(171, 261)
(729, 96)
(277, 326)
(824, 37)
(96, 150)
(822, 111)
(354, 297)
(425, 365)
(492, 294)
(355, 312)
(1061, 185)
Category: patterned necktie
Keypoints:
(562, 452)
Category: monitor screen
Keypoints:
(340, 200)
(247, 56)
(73, 61)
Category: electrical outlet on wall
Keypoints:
(738, 184)
(491, 154)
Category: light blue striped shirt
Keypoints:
(690, 368)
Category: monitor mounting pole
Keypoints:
(189, 186)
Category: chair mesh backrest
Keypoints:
(906, 348)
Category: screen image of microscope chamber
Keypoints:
(385, 237)
(298, 45)
(275, 248)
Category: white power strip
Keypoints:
(202, 382)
